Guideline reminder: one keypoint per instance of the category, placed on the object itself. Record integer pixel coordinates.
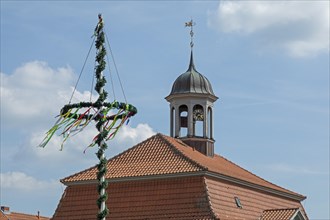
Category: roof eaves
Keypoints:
(139, 178)
(191, 94)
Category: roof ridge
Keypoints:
(111, 159)
(181, 153)
(214, 215)
(59, 205)
(260, 177)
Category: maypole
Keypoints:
(102, 166)
(74, 118)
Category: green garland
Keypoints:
(73, 121)
(102, 166)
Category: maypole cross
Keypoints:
(74, 118)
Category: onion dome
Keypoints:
(192, 82)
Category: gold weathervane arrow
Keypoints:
(190, 24)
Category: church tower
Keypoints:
(191, 108)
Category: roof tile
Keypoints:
(174, 198)
(20, 216)
(283, 214)
(151, 157)
(222, 199)
(161, 154)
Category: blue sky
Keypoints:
(268, 62)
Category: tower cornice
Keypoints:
(210, 97)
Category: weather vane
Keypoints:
(190, 24)
(109, 117)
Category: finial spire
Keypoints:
(191, 63)
(190, 24)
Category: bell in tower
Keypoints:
(191, 108)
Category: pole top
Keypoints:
(190, 24)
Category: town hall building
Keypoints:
(179, 176)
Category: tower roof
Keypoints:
(192, 82)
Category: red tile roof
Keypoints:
(20, 216)
(173, 198)
(222, 198)
(282, 214)
(154, 156)
(160, 155)
(163, 178)
(190, 197)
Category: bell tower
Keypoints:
(191, 107)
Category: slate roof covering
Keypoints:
(192, 82)
(282, 214)
(161, 155)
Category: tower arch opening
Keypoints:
(198, 121)
(183, 121)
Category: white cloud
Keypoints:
(300, 27)
(135, 135)
(35, 92)
(32, 92)
(23, 182)
(30, 99)
(128, 137)
(73, 149)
